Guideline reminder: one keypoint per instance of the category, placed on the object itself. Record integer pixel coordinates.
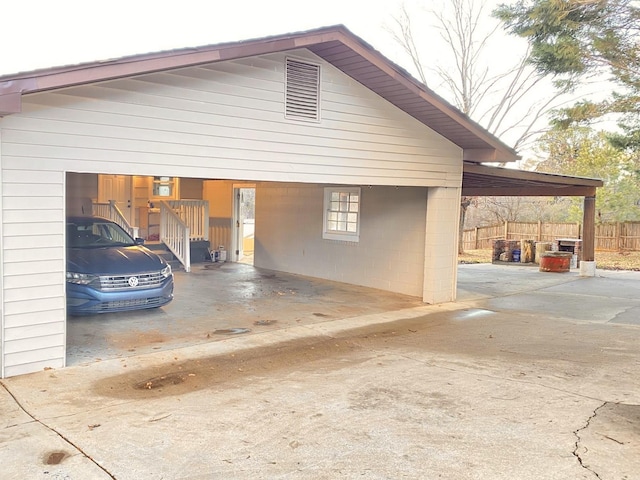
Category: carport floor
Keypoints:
(216, 300)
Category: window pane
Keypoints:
(163, 186)
(162, 190)
(342, 212)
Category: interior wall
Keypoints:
(219, 194)
(191, 188)
(389, 255)
(81, 189)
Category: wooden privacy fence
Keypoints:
(609, 236)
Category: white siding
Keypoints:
(227, 121)
(389, 255)
(2, 347)
(33, 268)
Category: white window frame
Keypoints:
(163, 181)
(345, 233)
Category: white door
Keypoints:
(117, 188)
(244, 223)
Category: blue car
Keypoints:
(108, 271)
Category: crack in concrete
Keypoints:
(576, 452)
(51, 429)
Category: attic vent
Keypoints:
(302, 90)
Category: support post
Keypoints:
(588, 264)
(441, 242)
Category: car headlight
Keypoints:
(82, 278)
(166, 272)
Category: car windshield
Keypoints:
(97, 234)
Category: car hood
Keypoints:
(113, 260)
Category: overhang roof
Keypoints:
(334, 44)
(483, 180)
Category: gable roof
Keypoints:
(336, 45)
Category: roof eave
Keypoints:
(491, 150)
(477, 181)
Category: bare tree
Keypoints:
(507, 98)
(507, 101)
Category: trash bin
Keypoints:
(555, 261)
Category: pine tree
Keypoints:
(579, 40)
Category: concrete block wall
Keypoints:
(441, 245)
(389, 255)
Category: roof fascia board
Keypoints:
(538, 191)
(478, 155)
(531, 176)
(502, 153)
(10, 103)
(51, 79)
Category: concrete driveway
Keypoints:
(529, 376)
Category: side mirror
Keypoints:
(139, 241)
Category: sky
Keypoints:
(47, 33)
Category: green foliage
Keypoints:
(578, 39)
(586, 153)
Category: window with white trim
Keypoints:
(342, 214)
(164, 188)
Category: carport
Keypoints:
(483, 180)
(219, 300)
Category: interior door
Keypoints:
(117, 188)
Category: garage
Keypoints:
(301, 117)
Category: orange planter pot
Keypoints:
(555, 261)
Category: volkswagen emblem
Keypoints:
(133, 281)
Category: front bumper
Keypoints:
(84, 300)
